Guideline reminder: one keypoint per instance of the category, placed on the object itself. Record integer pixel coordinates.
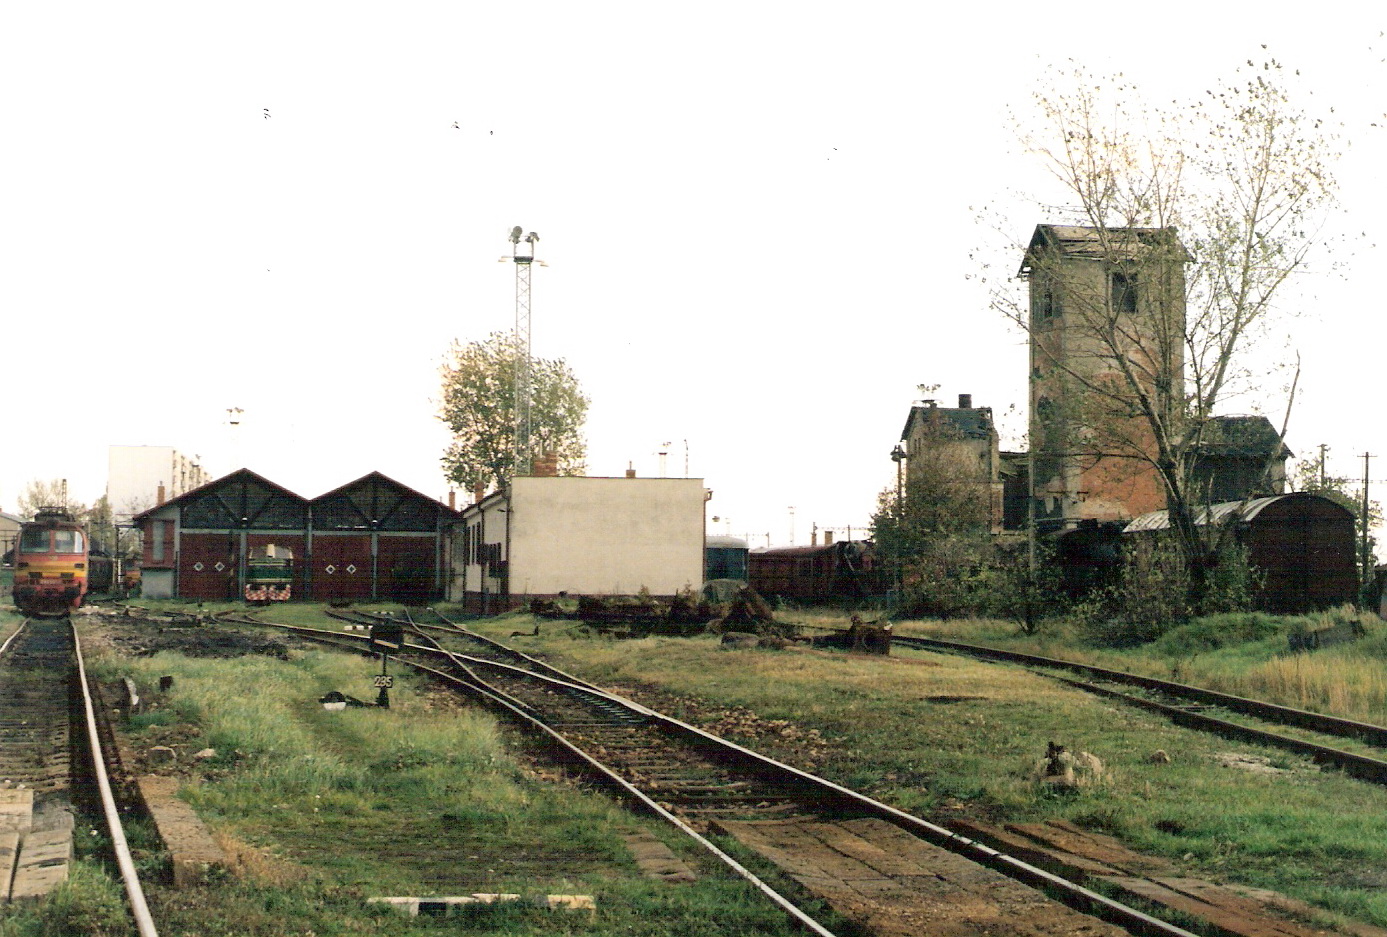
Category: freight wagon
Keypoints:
(836, 572)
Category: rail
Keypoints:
(139, 907)
(1074, 894)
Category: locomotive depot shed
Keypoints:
(375, 538)
(372, 538)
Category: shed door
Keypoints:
(406, 569)
(208, 567)
(342, 568)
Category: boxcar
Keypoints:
(1302, 545)
(835, 572)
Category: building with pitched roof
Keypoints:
(1107, 307)
(372, 538)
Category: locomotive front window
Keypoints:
(67, 541)
(34, 540)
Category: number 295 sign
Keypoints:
(383, 681)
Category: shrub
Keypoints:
(1218, 631)
(1153, 594)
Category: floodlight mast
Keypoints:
(524, 259)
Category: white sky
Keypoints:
(758, 219)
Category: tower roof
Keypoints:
(1110, 244)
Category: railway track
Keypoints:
(707, 786)
(46, 715)
(1194, 707)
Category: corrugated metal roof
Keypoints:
(1217, 513)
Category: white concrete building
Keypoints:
(584, 536)
(135, 475)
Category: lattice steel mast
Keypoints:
(524, 260)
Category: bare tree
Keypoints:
(51, 493)
(1181, 228)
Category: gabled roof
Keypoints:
(1099, 243)
(200, 490)
(968, 422)
(370, 501)
(377, 478)
(1244, 435)
(376, 501)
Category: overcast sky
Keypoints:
(758, 220)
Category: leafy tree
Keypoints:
(936, 533)
(479, 407)
(1196, 217)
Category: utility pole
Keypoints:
(1323, 449)
(898, 456)
(524, 258)
(1365, 577)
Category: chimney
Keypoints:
(159, 498)
(828, 538)
(452, 500)
(545, 466)
(630, 470)
(965, 401)
(478, 490)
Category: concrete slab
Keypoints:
(191, 848)
(43, 863)
(52, 813)
(657, 860)
(16, 809)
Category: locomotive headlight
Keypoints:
(79, 565)
(22, 564)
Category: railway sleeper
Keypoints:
(700, 786)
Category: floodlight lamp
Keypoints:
(515, 234)
(531, 238)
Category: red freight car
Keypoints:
(834, 572)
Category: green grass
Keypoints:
(319, 805)
(937, 734)
(323, 810)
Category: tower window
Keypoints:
(1124, 293)
(1047, 301)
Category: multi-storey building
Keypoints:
(1107, 331)
(139, 476)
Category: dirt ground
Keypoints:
(140, 636)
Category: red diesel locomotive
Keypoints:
(50, 565)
